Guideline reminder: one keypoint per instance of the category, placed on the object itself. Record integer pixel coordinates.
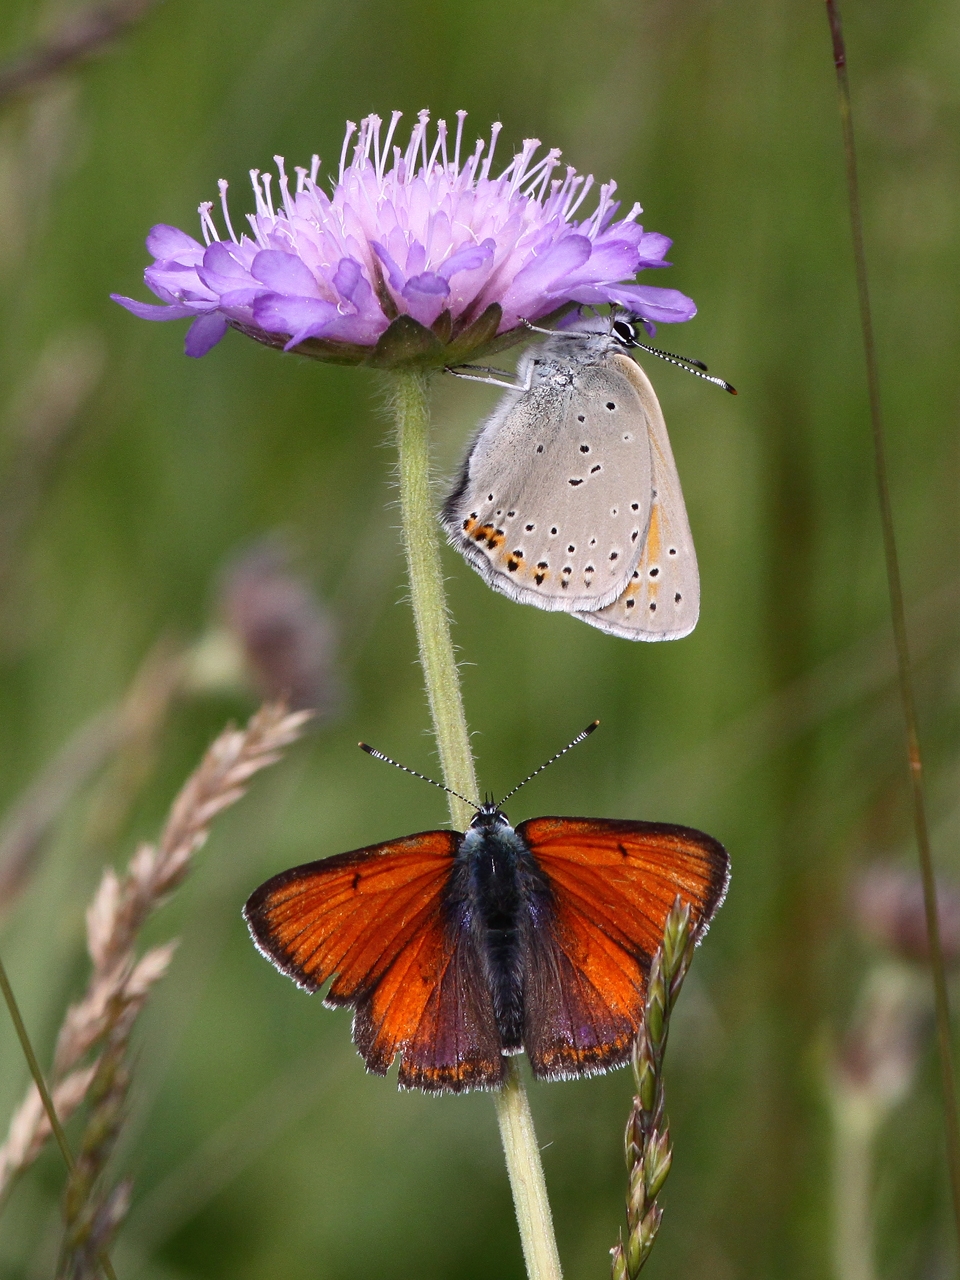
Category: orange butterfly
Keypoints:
(455, 949)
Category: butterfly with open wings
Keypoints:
(456, 950)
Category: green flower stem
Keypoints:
(45, 1096)
(427, 595)
(453, 741)
(522, 1153)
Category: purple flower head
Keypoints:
(416, 257)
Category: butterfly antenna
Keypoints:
(696, 367)
(378, 755)
(569, 747)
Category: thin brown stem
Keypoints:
(898, 616)
(81, 37)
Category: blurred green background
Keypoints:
(257, 1144)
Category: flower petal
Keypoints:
(205, 332)
(545, 274)
(170, 242)
(416, 259)
(177, 282)
(350, 282)
(394, 274)
(610, 261)
(470, 258)
(425, 296)
(285, 273)
(153, 311)
(348, 276)
(667, 306)
(429, 282)
(219, 260)
(243, 297)
(651, 249)
(300, 317)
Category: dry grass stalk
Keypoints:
(648, 1150)
(120, 982)
(30, 1128)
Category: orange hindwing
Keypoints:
(613, 883)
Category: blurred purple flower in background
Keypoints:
(421, 237)
(287, 636)
(889, 907)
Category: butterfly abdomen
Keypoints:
(494, 889)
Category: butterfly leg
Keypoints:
(550, 333)
(500, 381)
(565, 333)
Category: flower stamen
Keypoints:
(440, 143)
(222, 186)
(394, 121)
(494, 135)
(207, 224)
(351, 127)
(572, 208)
(461, 117)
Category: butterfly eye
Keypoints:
(626, 332)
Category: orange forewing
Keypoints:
(350, 914)
(374, 918)
(613, 885)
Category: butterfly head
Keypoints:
(625, 331)
(488, 815)
(588, 339)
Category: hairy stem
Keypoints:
(522, 1153)
(427, 597)
(898, 617)
(453, 741)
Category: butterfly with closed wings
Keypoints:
(569, 497)
(456, 950)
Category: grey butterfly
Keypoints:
(569, 497)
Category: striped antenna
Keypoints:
(378, 755)
(696, 367)
(569, 747)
